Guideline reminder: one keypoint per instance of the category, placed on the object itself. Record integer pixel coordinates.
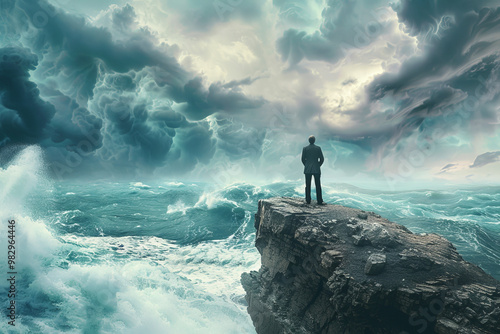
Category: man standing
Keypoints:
(312, 158)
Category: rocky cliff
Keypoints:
(333, 269)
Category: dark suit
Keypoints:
(312, 158)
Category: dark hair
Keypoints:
(312, 139)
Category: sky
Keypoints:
(401, 93)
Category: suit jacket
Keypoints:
(312, 158)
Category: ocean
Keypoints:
(166, 257)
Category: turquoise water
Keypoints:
(166, 257)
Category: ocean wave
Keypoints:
(179, 206)
(213, 199)
(141, 185)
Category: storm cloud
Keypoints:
(380, 83)
(104, 96)
(24, 115)
(454, 74)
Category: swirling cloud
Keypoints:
(385, 86)
(107, 94)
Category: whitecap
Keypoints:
(179, 206)
(212, 200)
(176, 184)
(141, 185)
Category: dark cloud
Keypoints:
(296, 45)
(23, 114)
(79, 41)
(56, 121)
(429, 16)
(171, 118)
(71, 123)
(108, 94)
(219, 97)
(96, 97)
(459, 47)
(485, 159)
(449, 83)
(144, 132)
(413, 116)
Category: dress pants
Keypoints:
(317, 182)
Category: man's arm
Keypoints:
(303, 157)
(321, 158)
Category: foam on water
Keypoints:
(211, 199)
(73, 284)
(179, 206)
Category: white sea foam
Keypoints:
(74, 284)
(179, 206)
(211, 199)
(141, 185)
(176, 184)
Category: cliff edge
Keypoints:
(332, 269)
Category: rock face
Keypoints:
(333, 269)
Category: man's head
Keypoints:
(312, 139)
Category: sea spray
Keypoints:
(97, 284)
(30, 239)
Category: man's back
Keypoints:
(312, 158)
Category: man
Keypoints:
(312, 158)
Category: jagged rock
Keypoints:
(375, 264)
(331, 269)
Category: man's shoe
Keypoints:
(321, 203)
(308, 202)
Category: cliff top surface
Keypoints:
(409, 258)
